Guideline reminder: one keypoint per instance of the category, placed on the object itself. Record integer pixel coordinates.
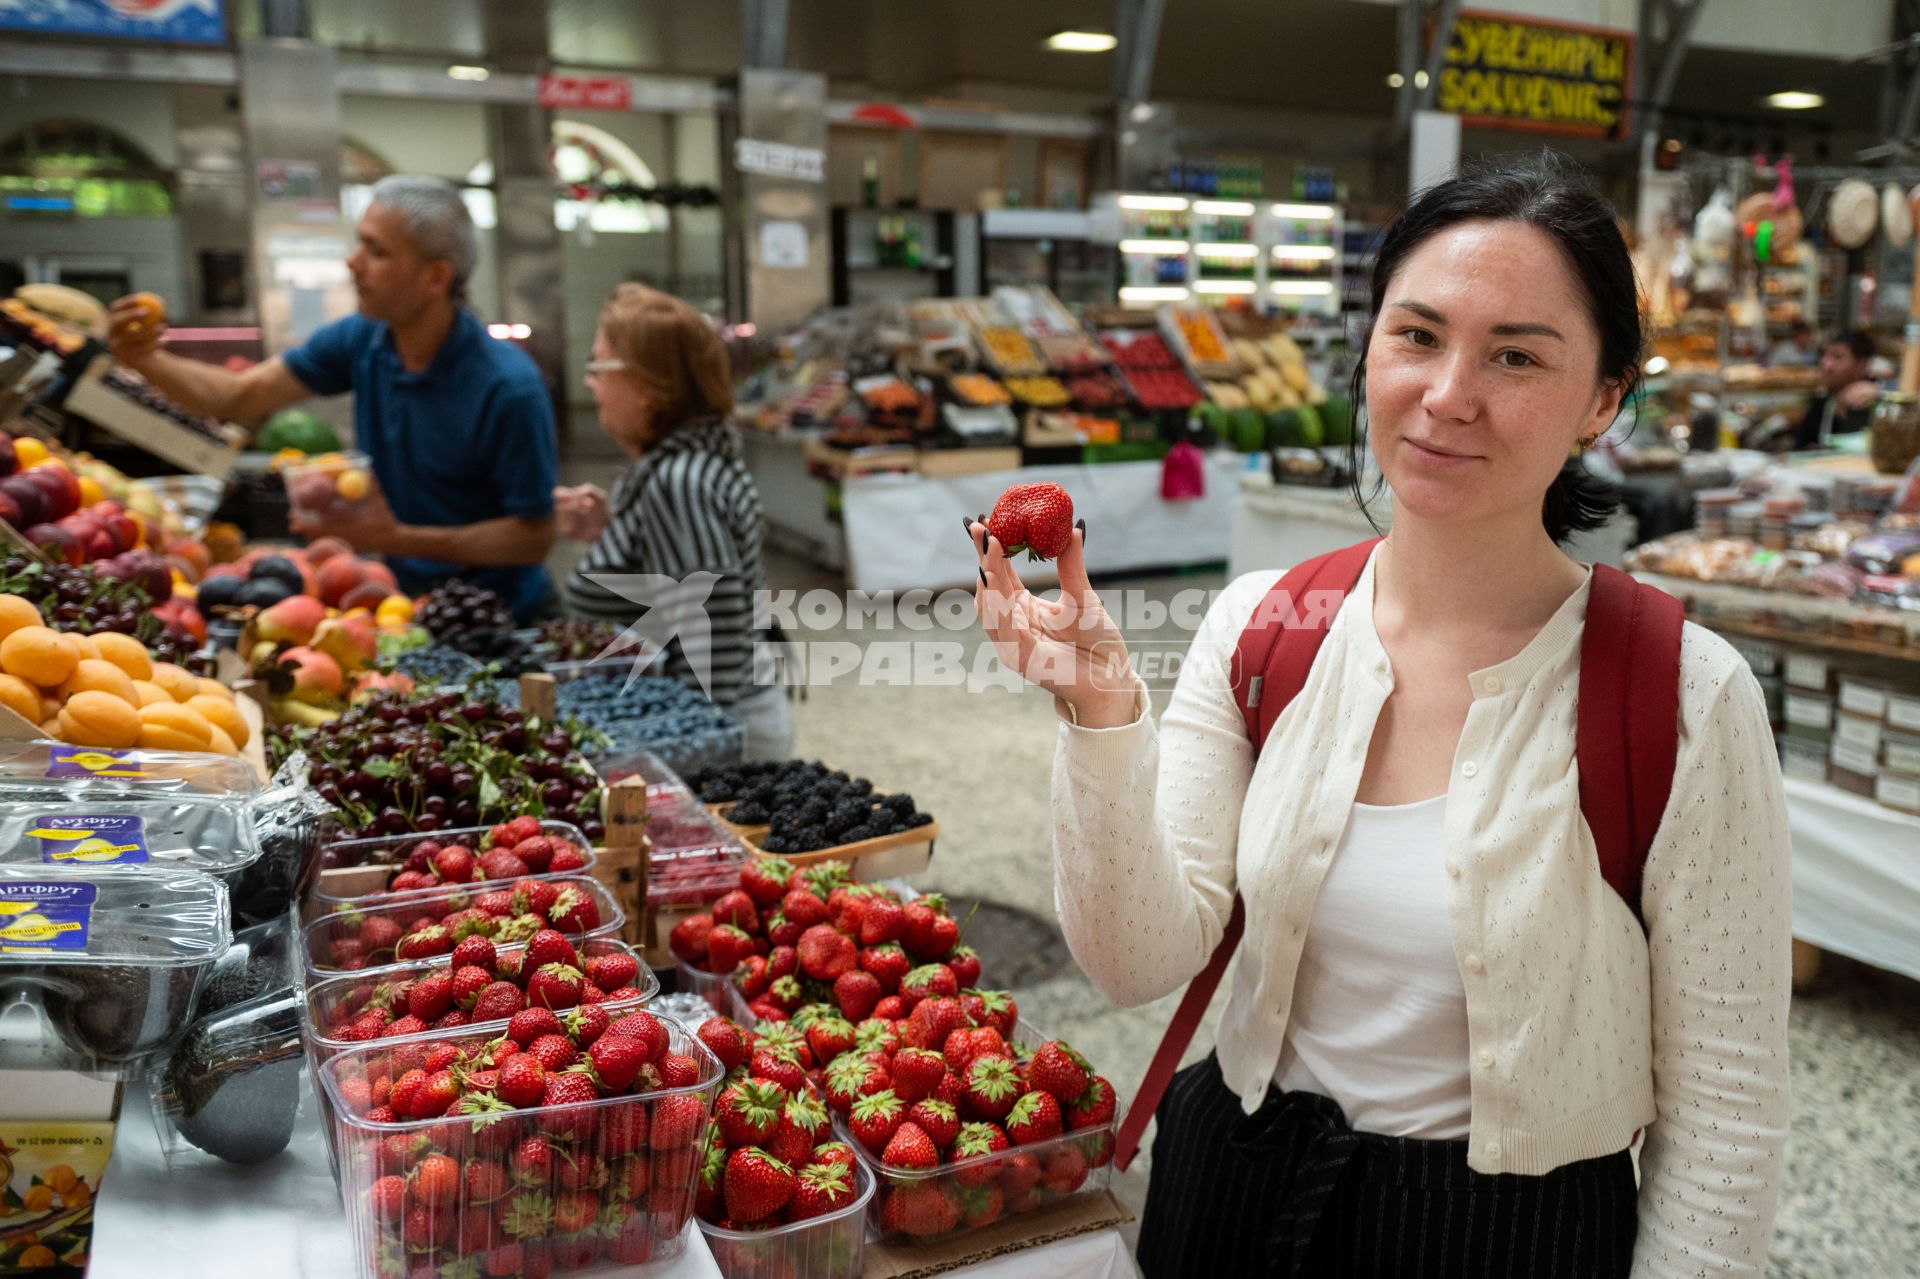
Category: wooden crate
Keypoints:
(907, 852)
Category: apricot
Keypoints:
(102, 676)
(126, 652)
(62, 1178)
(39, 655)
(16, 612)
(94, 718)
(20, 697)
(223, 713)
(38, 1198)
(211, 688)
(149, 692)
(179, 685)
(170, 726)
(221, 743)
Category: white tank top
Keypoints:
(1379, 1021)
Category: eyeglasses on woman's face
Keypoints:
(599, 368)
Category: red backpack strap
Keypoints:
(1628, 723)
(1270, 667)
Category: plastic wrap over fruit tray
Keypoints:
(585, 1186)
(364, 938)
(41, 771)
(333, 889)
(921, 1205)
(115, 956)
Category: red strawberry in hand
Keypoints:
(1036, 518)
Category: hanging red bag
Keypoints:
(1183, 473)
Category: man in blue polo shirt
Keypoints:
(458, 425)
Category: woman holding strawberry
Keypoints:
(686, 510)
(1478, 961)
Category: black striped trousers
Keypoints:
(1291, 1190)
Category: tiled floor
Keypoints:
(980, 762)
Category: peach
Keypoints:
(322, 549)
(291, 621)
(339, 575)
(367, 595)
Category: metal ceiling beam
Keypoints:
(1136, 27)
(764, 23)
(1676, 20)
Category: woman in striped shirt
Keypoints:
(686, 510)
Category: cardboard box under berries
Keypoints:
(587, 1187)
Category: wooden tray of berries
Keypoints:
(748, 834)
(905, 852)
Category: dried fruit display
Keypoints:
(978, 389)
(1041, 392)
(1010, 352)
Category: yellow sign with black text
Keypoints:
(1549, 77)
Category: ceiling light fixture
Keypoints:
(1396, 81)
(1419, 79)
(475, 74)
(1081, 42)
(1795, 100)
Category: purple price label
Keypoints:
(45, 915)
(90, 761)
(103, 839)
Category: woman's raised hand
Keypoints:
(581, 512)
(1068, 646)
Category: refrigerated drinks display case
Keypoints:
(1052, 248)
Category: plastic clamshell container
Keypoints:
(232, 1088)
(182, 832)
(318, 934)
(829, 1247)
(720, 994)
(678, 822)
(116, 956)
(609, 1136)
(1074, 1163)
(661, 782)
(314, 485)
(336, 890)
(38, 771)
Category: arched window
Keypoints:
(74, 167)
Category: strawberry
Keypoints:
(756, 1185)
(1020, 1172)
(425, 943)
(574, 911)
(387, 1198)
(454, 865)
(688, 940)
(554, 986)
(933, 1023)
(468, 981)
(1063, 1169)
(874, 1119)
(750, 977)
(475, 952)
(529, 1024)
(574, 1211)
(782, 931)
(537, 854)
(851, 1078)
(677, 1120)
(748, 1113)
(522, 1081)
(405, 1088)
(890, 1008)
(964, 1045)
(876, 1034)
(928, 981)
(981, 1206)
(617, 1060)
(782, 961)
(434, 1096)
(525, 826)
(881, 922)
(611, 972)
(724, 1039)
(631, 1174)
(678, 1070)
(1092, 1108)
(736, 908)
(834, 1154)
(825, 953)
(820, 1189)
(923, 1209)
(1035, 1117)
(910, 1147)
(938, 1119)
(1057, 1069)
(778, 1067)
(424, 1227)
(486, 1181)
(550, 946)
(764, 880)
(497, 903)
(498, 1002)
(803, 1122)
(786, 995)
(941, 936)
(647, 1028)
(916, 1073)
(539, 895)
(408, 1025)
(857, 993)
(829, 1037)
(765, 1011)
(709, 1182)
(888, 964)
(378, 934)
(992, 1085)
(965, 963)
(567, 1116)
(440, 1057)
(995, 1008)
(726, 947)
(504, 1260)
(502, 864)
(803, 910)
(556, 1052)
(587, 1023)
(531, 1163)
(1035, 518)
(623, 1130)
(787, 1040)
(430, 997)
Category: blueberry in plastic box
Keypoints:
(115, 955)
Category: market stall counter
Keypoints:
(1856, 881)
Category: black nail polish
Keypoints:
(983, 577)
(1082, 526)
(967, 523)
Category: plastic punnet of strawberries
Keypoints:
(432, 923)
(507, 850)
(479, 985)
(548, 1148)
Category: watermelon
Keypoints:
(1337, 415)
(1248, 430)
(299, 429)
(1283, 429)
(1313, 431)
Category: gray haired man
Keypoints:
(459, 426)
